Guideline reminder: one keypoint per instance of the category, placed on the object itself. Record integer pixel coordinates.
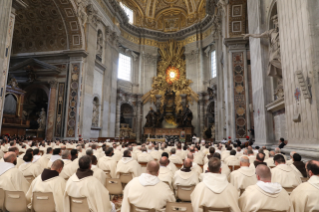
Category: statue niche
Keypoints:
(96, 112)
(274, 66)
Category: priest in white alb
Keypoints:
(284, 174)
(215, 190)
(232, 159)
(305, 197)
(243, 177)
(28, 168)
(97, 172)
(147, 191)
(128, 165)
(175, 158)
(165, 174)
(107, 162)
(12, 179)
(69, 169)
(186, 176)
(50, 181)
(44, 160)
(270, 161)
(144, 156)
(265, 195)
(83, 184)
(55, 156)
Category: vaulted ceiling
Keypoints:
(166, 15)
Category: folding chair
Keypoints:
(304, 179)
(114, 186)
(231, 168)
(29, 178)
(108, 173)
(143, 166)
(179, 206)
(125, 178)
(236, 168)
(184, 192)
(15, 201)
(211, 209)
(79, 204)
(43, 202)
(2, 195)
(139, 209)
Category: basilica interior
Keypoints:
(154, 69)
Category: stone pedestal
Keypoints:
(51, 109)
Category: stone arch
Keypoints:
(55, 28)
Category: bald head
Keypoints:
(271, 154)
(164, 161)
(187, 163)
(152, 168)
(263, 173)
(10, 157)
(244, 161)
(57, 165)
(190, 156)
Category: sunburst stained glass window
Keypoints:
(128, 12)
(213, 64)
(172, 74)
(124, 68)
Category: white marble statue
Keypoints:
(42, 119)
(81, 11)
(95, 118)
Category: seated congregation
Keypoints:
(76, 176)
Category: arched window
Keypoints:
(128, 12)
(124, 68)
(213, 64)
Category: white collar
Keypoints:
(272, 188)
(148, 180)
(5, 166)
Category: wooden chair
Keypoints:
(15, 201)
(178, 165)
(271, 167)
(179, 206)
(20, 153)
(139, 209)
(236, 168)
(231, 168)
(43, 202)
(114, 186)
(2, 195)
(211, 209)
(29, 178)
(184, 192)
(79, 204)
(108, 173)
(143, 165)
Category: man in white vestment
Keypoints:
(165, 174)
(12, 179)
(83, 184)
(55, 156)
(28, 168)
(270, 161)
(305, 197)
(224, 167)
(170, 165)
(98, 173)
(186, 176)
(50, 181)
(266, 152)
(179, 152)
(3, 146)
(232, 160)
(16, 151)
(210, 155)
(144, 156)
(265, 195)
(175, 158)
(44, 160)
(80, 151)
(36, 156)
(284, 174)
(214, 191)
(155, 153)
(128, 165)
(96, 152)
(107, 163)
(251, 156)
(278, 151)
(69, 169)
(243, 177)
(147, 191)
(239, 152)
(198, 156)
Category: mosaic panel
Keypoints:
(239, 94)
(73, 100)
(59, 110)
(237, 18)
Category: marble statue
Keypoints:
(42, 119)
(150, 118)
(187, 117)
(95, 118)
(274, 66)
(81, 11)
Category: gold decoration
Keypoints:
(239, 89)
(240, 111)
(172, 61)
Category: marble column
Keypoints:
(51, 109)
(7, 20)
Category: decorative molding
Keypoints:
(53, 83)
(303, 84)
(59, 110)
